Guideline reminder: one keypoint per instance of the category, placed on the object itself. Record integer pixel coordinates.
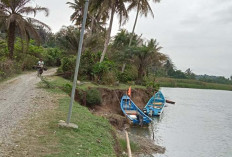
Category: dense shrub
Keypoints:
(67, 88)
(88, 60)
(109, 78)
(3, 49)
(130, 74)
(100, 69)
(52, 56)
(68, 67)
(8, 68)
(93, 97)
(150, 82)
(28, 62)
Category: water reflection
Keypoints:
(198, 125)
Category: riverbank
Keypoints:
(187, 83)
(39, 134)
(110, 111)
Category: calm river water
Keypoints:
(198, 125)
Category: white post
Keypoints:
(78, 61)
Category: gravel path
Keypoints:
(16, 96)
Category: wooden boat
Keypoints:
(155, 105)
(132, 112)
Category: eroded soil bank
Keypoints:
(110, 108)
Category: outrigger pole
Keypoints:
(78, 61)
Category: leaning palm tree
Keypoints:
(114, 7)
(143, 7)
(13, 16)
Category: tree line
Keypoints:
(125, 57)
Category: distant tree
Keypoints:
(190, 74)
(231, 77)
(169, 67)
(13, 14)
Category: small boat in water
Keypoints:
(132, 112)
(155, 105)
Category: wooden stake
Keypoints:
(128, 144)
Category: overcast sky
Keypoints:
(196, 34)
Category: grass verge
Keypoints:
(93, 137)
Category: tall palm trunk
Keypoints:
(133, 31)
(108, 35)
(11, 39)
(136, 19)
(92, 25)
(140, 73)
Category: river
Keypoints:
(198, 125)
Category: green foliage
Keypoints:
(100, 69)
(68, 66)
(214, 79)
(3, 49)
(28, 61)
(93, 97)
(134, 147)
(177, 74)
(52, 56)
(88, 60)
(47, 83)
(8, 68)
(94, 138)
(150, 82)
(109, 78)
(187, 83)
(130, 74)
(67, 88)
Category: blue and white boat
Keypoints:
(132, 112)
(155, 105)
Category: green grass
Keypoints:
(59, 82)
(134, 146)
(185, 83)
(93, 138)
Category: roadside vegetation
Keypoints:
(126, 58)
(115, 62)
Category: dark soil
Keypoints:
(110, 106)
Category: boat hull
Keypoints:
(133, 113)
(155, 105)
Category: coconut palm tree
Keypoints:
(145, 56)
(143, 7)
(68, 38)
(115, 7)
(13, 15)
(96, 19)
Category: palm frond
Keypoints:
(31, 10)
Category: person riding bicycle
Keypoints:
(40, 66)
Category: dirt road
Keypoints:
(16, 97)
